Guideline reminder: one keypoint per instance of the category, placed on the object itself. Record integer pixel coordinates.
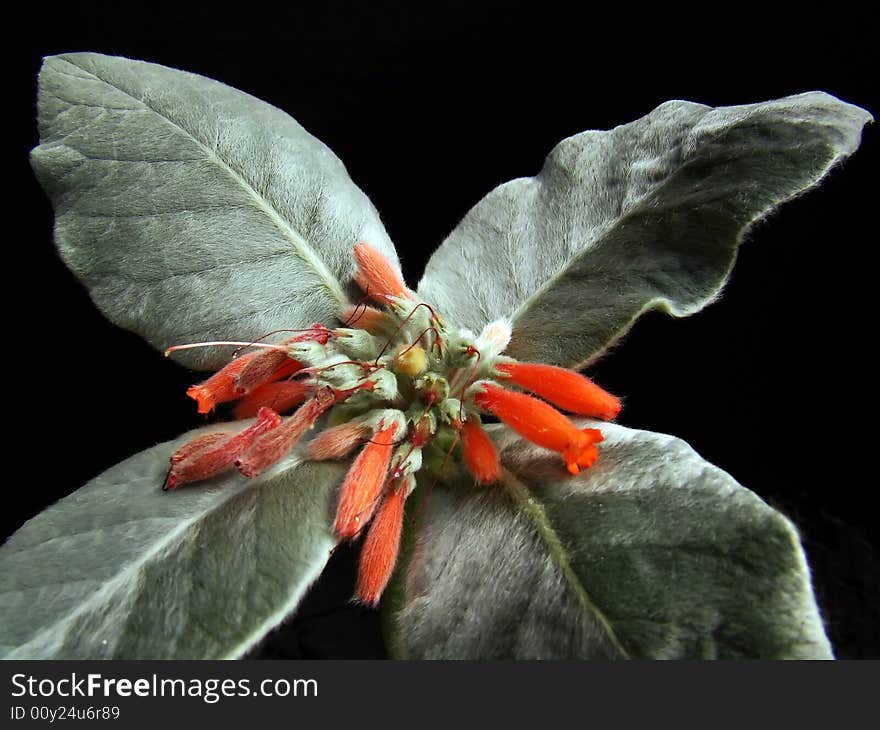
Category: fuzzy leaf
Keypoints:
(193, 211)
(121, 569)
(645, 216)
(650, 553)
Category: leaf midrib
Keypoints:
(109, 587)
(520, 494)
(301, 247)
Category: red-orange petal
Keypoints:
(200, 443)
(265, 367)
(531, 418)
(376, 276)
(564, 388)
(539, 423)
(380, 548)
(206, 462)
(363, 484)
(581, 452)
(337, 442)
(220, 387)
(479, 452)
(272, 446)
(279, 397)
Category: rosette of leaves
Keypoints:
(192, 211)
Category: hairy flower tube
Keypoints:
(394, 382)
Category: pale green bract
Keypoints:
(193, 211)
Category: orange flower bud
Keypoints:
(363, 484)
(198, 444)
(564, 388)
(479, 452)
(337, 442)
(376, 276)
(379, 552)
(220, 455)
(273, 446)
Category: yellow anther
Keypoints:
(410, 360)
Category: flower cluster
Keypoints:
(396, 381)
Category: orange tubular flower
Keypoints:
(564, 388)
(273, 446)
(217, 455)
(363, 484)
(541, 424)
(337, 442)
(279, 397)
(376, 276)
(479, 452)
(266, 367)
(241, 376)
(379, 552)
(198, 444)
(220, 387)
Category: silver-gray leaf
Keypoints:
(121, 569)
(193, 211)
(650, 553)
(645, 216)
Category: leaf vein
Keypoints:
(300, 246)
(208, 269)
(519, 492)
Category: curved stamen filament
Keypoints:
(471, 350)
(317, 372)
(403, 324)
(313, 328)
(415, 342)
(354, 316)
(240, 345)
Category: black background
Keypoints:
(430, 110)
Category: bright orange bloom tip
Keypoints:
(564, 388)
(479, 452)
(362, 487)
(220, 387)
(202, 396)
(541, 424)
(376, 276)
(379, 552)
(581, 451)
